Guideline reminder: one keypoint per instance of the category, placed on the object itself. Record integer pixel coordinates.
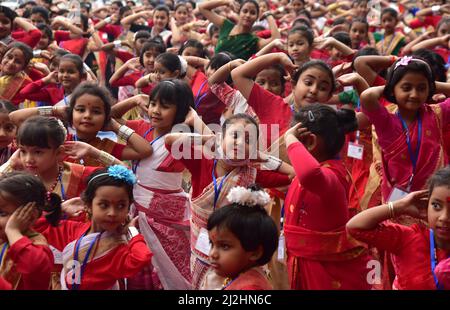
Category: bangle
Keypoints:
(132, 232)
(150, 78)
(435, 8)
(391, 209)
(37, 53)
(45, 111)
(273, 163)
(117, 43)
(106, 159)
(393, 59)
(108, 19)
(125, 132)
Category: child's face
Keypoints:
(262, 7)
(362, 9)
(297, 6)
(240, 141)
(358, 32)
(138, 44)
(227, 256)
(181, 15)
(439, 214)
(162, 115)
(149, 59)
(411, 91)
(88, 115)
(5, 26)
(68, 75)
(162, 73)
(39, 160)
(37, 18)
(109, 208)
(335, 54)
(388, 23)
(160, 20)
(191, 51)
(313, 86)
(44, 42)
(298, 47)
(248, 15)
(443, 30)
(13, 62)
(270, 79)
(6, 210)
(7, 130)
(215, 38)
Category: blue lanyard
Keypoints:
(414, 157)
(433, 259)
(75, 138)
(3, 252)
(151, 143)
(197, 98)
(63, 195)
(64, 94)
(217, 190)
(86, 258)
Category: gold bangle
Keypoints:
(106, 159)
(391, 209)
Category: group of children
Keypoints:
(248, 145)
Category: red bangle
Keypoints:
(393, 59)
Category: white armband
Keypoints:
(435, 8)
(132, 232)
(37, 53)
(407, 30)
(117, 43)
(108, 19)
(316, 5)
(272, 163)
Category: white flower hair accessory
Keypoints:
(247, 197)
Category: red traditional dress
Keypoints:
(320, 255)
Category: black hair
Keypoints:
(76, 60)
(250, 1)
(88, 88)
(123, 10)
(195, 44)
(366, 51)
(132, 2)
(45, 29)
(174, 92)
(435, 61)
(219, 60)
(6, 106)
(87, 6)
(95, 180)
(305, 32)
(443, 21)
(439, 178)
(343, 37)
(155, 44)
(240, 117)
(10, 14)
(340, 21)
(416, 65)
(24, 48)
(389, 11)
(193, 3)
(84, 22)
(170, 61)
(250, 224)
(118, 3)
(319, 64)
(301, 22)
(41, 11)
(360, 20)
(178, 5)
(43, 132)
(212, 29)
(331, 125)
(257, 28)
(305, 13)
(163, 7)
(142, 34)
(22, 188)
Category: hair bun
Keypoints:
(251, 197)
(347, 120)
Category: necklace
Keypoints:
(58, 179)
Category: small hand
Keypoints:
(77, 150)
(414, 204)
(22, 218)
(298, 131)
(73, 207)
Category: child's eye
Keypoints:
(3, 214)
(436, 206)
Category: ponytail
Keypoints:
(52, 208)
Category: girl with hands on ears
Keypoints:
(416, 249)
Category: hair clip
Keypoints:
(404, 61)
(311, 117)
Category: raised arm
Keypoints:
(370, 98)
(274, 32)
(127, 21)
(430, 43)
(206, 9)
(369, 66)
(75, 32)
(122, 107)
(222, 74)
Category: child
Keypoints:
(319, 253)
(88, 113)
(416, 249)
(359, 30)
(192, 48)
(389, 43)
(410, 133)
(159, 193)
(25, 258)
(30, 34)
(57, 87)
(108, 196)
(243, 238)
(13, 77)
(7, 131)
(213, 175)
(300, 44)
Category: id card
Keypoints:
(355, 150)
(397, 194)
(203, 244)
(281, 248)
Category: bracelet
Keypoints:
(117, 43)
(391, 209)
(106, 159)
(125, 132)
(273, 163)
(37, 53)
(132, 232)
(45, 111)
(435, 8)
(108, 19)
(393, 59)
(150, 78)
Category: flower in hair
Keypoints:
(247, 197)
(404, 61)
(121, 173)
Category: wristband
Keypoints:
(106, 159)
(316, 5)
(37, 53)
(117, 43)
(272, 163)
(45, 111)
(108, 19)
(435, 8)
(125, 132)
(132, 232)
(407, 30)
